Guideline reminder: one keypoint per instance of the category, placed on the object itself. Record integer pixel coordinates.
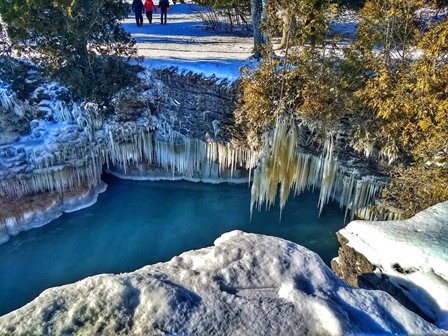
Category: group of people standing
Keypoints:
(139, 9)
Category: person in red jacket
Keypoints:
(149, 7)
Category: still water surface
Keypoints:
(137, 223)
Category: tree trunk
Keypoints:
(264, 18)
(286, 26)
(256, 6)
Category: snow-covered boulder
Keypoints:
(407, 257)
(245, 284)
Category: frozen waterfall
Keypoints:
(283, 167)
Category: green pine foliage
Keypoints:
(80, 41)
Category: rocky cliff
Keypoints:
(53, 150)
(408, 259)
(170, 126)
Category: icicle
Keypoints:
(278, 166)
(282, 164)
(328, 175)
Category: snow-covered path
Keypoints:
(186, 44)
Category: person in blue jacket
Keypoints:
(138, 9)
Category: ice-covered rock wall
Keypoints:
(13, 113)
(65, 152)
(408, 258)
(171, 127)
(245, 284)
(62, 157)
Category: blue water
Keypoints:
(139, 223)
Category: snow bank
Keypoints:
(413, 253)
(246, 284)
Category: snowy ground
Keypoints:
(246, 284)
(413, 253)
(186, 44)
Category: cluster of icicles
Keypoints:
(58, 179)
(127, 148)
(131, 145)
(9, 102)
(281, 164)
(178, 154)
(283, 168)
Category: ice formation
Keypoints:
(72, 150)
(9, 102)
(246, 284)
(412, 253)
(283, 165)
(178, 154)
(54, 157)
(69, 148)
(38, 212)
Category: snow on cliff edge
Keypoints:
(413, 253)
(246, 284)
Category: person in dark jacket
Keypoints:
(164, 5)
(149, 7)
(139, 9)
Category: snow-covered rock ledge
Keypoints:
(408, 258)
(35, 211)
(245, 284)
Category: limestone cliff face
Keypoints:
(194, 105)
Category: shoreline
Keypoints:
(35, 211)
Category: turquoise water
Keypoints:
(139, 223)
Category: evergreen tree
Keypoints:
(81, 41)
(420, 118)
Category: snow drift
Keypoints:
(246, 284)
